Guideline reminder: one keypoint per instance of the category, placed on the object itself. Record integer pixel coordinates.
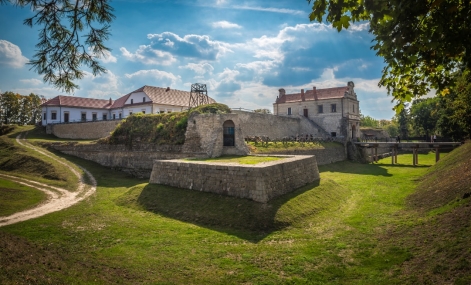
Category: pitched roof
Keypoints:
(309, 95)
(71, 101)
(158, 95)
(167, 96)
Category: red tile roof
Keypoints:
(158, 95)
(327, 93)
(71, 101)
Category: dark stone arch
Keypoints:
(229, 133)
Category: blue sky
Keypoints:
(243, 50)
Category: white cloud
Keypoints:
(359, 27)
(273, 10)
(154, 77)
(199, 68)
(108, 57)
(190, 46)
(10, 55)
(32, 81)
(148, 55)
(225, 25)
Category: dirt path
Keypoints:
(58, 198)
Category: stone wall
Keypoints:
(86, 130)
(137, 161)
(323, 156)
(260, 182)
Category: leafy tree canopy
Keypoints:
(423, 42)
(72, 35)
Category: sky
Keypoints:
(244, 51)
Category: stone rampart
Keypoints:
(86, 130)
(260, 182)
(323, 156)
(137, 161)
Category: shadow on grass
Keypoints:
(356, 168)
(243, 218)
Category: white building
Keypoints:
(336, 110)
(147, 100)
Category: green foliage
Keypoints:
(367, 121)
(215, 108)
(262, 111)
(455, 109)
(165, 128)
(392, 129)
(250, 159)
(20, 109)
(422, 42)
(72, 34)
(424, 116)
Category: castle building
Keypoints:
(147, 100)
(335, 110)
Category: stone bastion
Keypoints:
(260, 182)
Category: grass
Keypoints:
(355, 226)
(16, 197)
(249, 159)
(20, 161)
(279, 147)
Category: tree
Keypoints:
(262, 111)
(424, 114)
(19, 109)
(68, 38)
(367, 121)
(402, 120)
(10, 105)
(423, 42)
(455, 109)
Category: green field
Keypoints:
(16, 197)
(249, 159)
(358, 225)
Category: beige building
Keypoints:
(335, 110)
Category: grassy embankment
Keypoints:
(250, 159)
(359, 225)
(279, 147)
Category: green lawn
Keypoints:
(249, 159)
(331, 232)
(15, 197)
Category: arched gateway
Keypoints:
(229, 133)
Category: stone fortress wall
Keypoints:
(204, 138)
(85, 130)
(261, 182)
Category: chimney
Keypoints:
(314, 90)
(111, 102)
(282, 92)
(168, 89)
(302, 95)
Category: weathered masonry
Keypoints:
(261, 182)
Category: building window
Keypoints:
(66, 117)
(45, 116)
(333, 108)
(333, 134)
(83, 117)
(320, 109)
(132, 101)
(53, 115)
(130, 113)
(289, 111)
(94, 117)
(120, 116)
(169, 110)
(114, 116)
(162, 111)
(105, 117)
(353, 108)
(143, 99)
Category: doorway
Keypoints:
(305, 111)
(229, 133)
(66, 117)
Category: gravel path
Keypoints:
(58, 198)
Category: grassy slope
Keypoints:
(279, 147)
(16, 197)
(352, 228)
(24, 162)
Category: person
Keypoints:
(434, 138)
(398, 139)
